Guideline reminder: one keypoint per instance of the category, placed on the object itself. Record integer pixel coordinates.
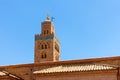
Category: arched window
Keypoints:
(45, 46)
(47, 31)
(42, 47)
(44, 32)
(43, 56)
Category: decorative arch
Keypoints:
(44, 55)
(44, 46)
(47, 31)
(57, 47)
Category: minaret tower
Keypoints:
(47, 46)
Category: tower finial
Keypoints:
(48, 17)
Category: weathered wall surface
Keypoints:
(110, 62)
(79, 76)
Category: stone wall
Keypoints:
(110, 62)
(22, 72)
(96, 75)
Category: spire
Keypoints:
(48, 18)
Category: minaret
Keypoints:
(47, 46)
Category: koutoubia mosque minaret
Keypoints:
(47, 46)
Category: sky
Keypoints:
(86, 28)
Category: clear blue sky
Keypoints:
(86, 28)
